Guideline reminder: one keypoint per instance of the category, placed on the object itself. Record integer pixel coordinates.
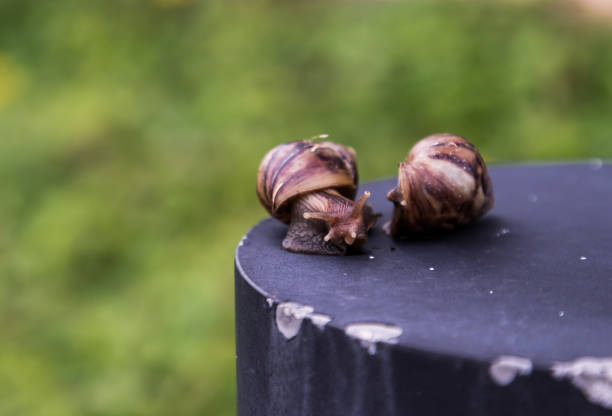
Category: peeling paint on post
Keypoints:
(507, 367)
(593, 376)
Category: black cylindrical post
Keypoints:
(509, 316)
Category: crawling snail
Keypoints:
(311, 185)
(442, 183)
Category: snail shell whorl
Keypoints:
(295, 168)
(443, 183)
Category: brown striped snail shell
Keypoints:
(443, 183)
(310, 185)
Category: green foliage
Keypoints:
(131, 131)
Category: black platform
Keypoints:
(493, 319)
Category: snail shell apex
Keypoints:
(443, 183)
(295, 168)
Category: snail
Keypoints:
(310, 186)
(442, 184)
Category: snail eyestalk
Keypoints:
(359, 204)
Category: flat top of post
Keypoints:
(533, 278)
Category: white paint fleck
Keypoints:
(503, 231)
(506, 367)
(319, 320)
(289, 317)
(370, 333)
(593, 376)
(243, 241)
(595, 164)
(490, 292)
(270, 302)
(371, 257)
(561, 314)
(432, 268)
(583, 258)
(345, 274)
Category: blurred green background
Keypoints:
(131, 132)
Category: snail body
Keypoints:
(310, 186)
(442, 184)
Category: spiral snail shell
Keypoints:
(443, 183)
(310, 185)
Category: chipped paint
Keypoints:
(319, 320)
(506, 367)
(289, 317)
(595, 164)
(593, 376)
(370, 333)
